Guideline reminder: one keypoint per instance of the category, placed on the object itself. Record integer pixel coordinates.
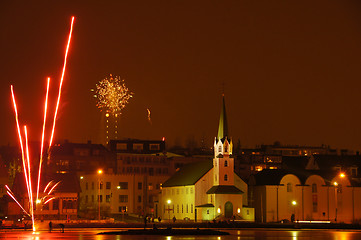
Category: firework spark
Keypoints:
(112, 95)
(149, 119)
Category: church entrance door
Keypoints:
(228, 210)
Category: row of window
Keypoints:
(138, 146)
(145, 170)
(142, 159)
(121, 198)
(179, 191)
(314, 188)
(67, 204)
(122, 185)
(184, 208)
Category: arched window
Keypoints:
(314, 188)
(225, 177)
(226, 163)
(220, 149)
(289, 187)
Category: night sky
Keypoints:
(290, 70)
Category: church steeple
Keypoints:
(223, 162)
(223, 125)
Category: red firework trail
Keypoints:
(31, 199)
(42, 137)
(25, 151)
(61, 83)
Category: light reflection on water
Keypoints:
(244, 234)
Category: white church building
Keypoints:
(207, 190)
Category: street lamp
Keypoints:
(168, 209)
(294, 203)
(99, 173)
(336, 186)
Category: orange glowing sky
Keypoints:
(291, 69)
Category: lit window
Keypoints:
(289, 187)
(154, 146)
(258, 168)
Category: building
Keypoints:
(207, 190)
(108, 195)
(63, 198)
(314, 188)
(87, 157)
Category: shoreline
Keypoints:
(195, 225)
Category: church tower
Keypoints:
(223, 162)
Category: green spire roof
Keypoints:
(223, 125)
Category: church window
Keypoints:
(226, 148)
(177, 208)
(187, 190)
(225, 177)
(191, 191)
(182, 208)
(215, 176)
(220, 149)
(289, 187)
(187, 208)
(314, 203)
(314, 188)
(191, 208)
(226, 163)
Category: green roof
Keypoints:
(189, 174)
(224, 189)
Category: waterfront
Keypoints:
(247, 234)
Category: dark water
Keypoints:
(244, 234)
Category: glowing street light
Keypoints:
(294, 203)
(99, 173)
(168, 209)
(336, 187)
(342, 175)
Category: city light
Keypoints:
(294, 203)
(342, 175)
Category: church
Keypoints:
(207, 190)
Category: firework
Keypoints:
(112, 95)
(149, 119)
(25, 149)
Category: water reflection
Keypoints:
(243, 234)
